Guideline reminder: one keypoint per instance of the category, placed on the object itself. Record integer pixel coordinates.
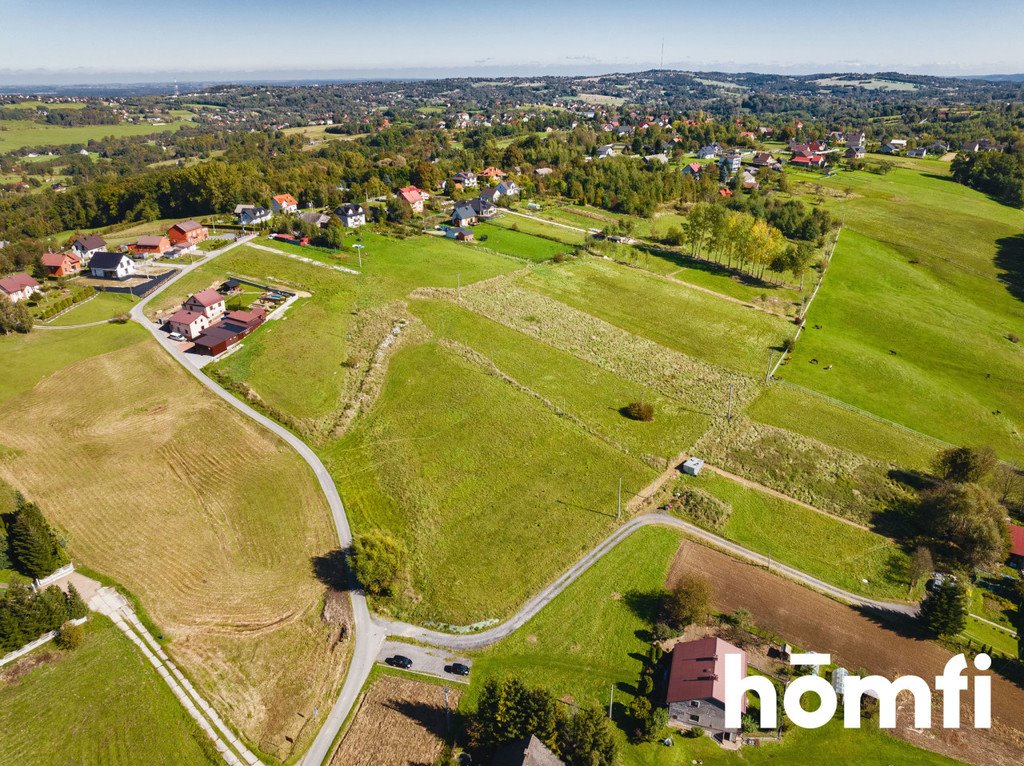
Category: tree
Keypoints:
(921, 565)
(5, 561)
(70, 636)
(966, 464)
(509, 709)
(640, 411)
(586, 739)
(944, 609)
(75, 605)
(379, 561)
(14, 317)
(970, 518)
(689, 602)
(33, 544)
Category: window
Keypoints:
(694, 703)
(695, 718)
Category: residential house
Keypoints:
(467, 179)
(251, 215)
(890, 149)
(608, 150)
(468, 212)
(106, 265)
(920, 152)
(352, 215)
(229, 331)
(732, 161)
(491, 194)
(528, 751)
(284, 203)
(899, 143)
(1017, 546)
(315, 219)
(508, 187)
(937, 147)
(209, 302)
(696, 686)
(814, 161)
(543, 171)
(88, 245)
(150, 245)
(189, 323)
(856, 138)
(414, 197)
(19, 287)
(660, 158)
(61, 264)
(764, 160)
(492, 173)
(749, 182)
(460, 233)
(855, 153)
(693, 169)
(187, 234)
(710, 151)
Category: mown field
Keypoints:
(101, 704)
(938, 265)
(100, 307)
(590, 637)
(15, 134)
(191, 507)
(518, 244)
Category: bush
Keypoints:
(70, 636)
(379, 561)
(689, 602)
(702, 507)
(643, 411)
(788, 345)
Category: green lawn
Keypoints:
(518, 243)
(493, 492)
(819, 545)
(590, 636)
(983, 633)
(529, 226)
(15, 134)
(696, 324)
(914, 316)
(96, 309)
(101, 704)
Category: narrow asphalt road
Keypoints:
(371, 630)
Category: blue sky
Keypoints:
(141, 39)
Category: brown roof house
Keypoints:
(235, 326)
(18, 287)
(150, 244)
(208, 302)
(696, 686)
(526, 752)
(61, 264)
(187, 234)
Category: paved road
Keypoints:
(431, 662)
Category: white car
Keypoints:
(177, 337)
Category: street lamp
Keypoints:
(359, 249)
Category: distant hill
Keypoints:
(997, 77)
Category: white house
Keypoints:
(605, 151)
(87, 246)
(106, 265)
(19, 287)
(467, 178)
(209, 303)
(284, 203)
(249, 215)
(189, 323)
(352, 215)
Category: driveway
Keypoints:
(425, 660)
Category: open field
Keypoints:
(400, 722)
(817, 623)
(590, 638)
(518, 243)
(15, 134)
(696, 324)
(101, 306)
(834, 551)
(100, 704)
(494, 493)
(932, 353)
(540, 228)
(194, 509)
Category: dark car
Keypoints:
(399, 661)
(457, 669)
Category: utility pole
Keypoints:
(459, 283)
(768, 372)
(447, 713)
(618, 513)
(611, 700)
(728, 416)
(359, 249)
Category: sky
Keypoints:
(102, 41)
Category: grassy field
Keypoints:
(540, 228)
(494, 493)
(98, 308)
(191, 507)
(15, 134)
(696, 324)
(938, 264)
(518, 243)
(834, 551)
(588, 639)
(101, 704)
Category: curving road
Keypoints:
(371, 630)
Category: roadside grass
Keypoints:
(518, 243)
(570, 384)
(823, 547)
(807, 413)
(96, 309)
(934, 262)
(193, 508)
(983, 634)
(539, 228)
(16, 134)
(494, 494)
(102, 703)
(590, 638)
(696, 324)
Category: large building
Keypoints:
(696, 686)
(187, 234)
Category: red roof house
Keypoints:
(696, 684)
(151, 245)
(284, 203)
(493, 172)
(413, 196)
(1017, 543)
(18, 286)
(61, 264)
(187, 233)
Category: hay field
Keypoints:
(400, 722)
(209, 520)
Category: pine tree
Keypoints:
(76, 606)
(33, 544)
(5, 560)
(944, 609)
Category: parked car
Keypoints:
(399, 661)
(457, 669)
(177, 337)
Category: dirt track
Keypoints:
(817, 623)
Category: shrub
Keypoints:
(379, 561)
(643, 411)
(70, 636)
(788, 345)
(1013, 337)
(702, 507)
(689, 602)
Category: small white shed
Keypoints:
(693, 466)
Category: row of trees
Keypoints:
(25, 615)
(28, 543)
(995, 173)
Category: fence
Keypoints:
(64, 571)
(32, 646)
(142, 290)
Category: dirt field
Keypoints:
(210, 520)
(400, 723)
(816, 623)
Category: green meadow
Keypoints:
(16, 134)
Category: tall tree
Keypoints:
(944, 610)
(968, 517)
(966, 464)
(34, 546)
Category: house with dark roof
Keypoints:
(352, 215)
(764, 160)
(250, 215)
(61, 264)
(229, 331)
(19, 287)
(315, 219)
(920, 152)
(468, 212)
(466, 178)
(106, 265)
(696, 685)
(855, 153)
(459, 233)
(710, 151)
(88, 245)
(528, 751)
(187, 234)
